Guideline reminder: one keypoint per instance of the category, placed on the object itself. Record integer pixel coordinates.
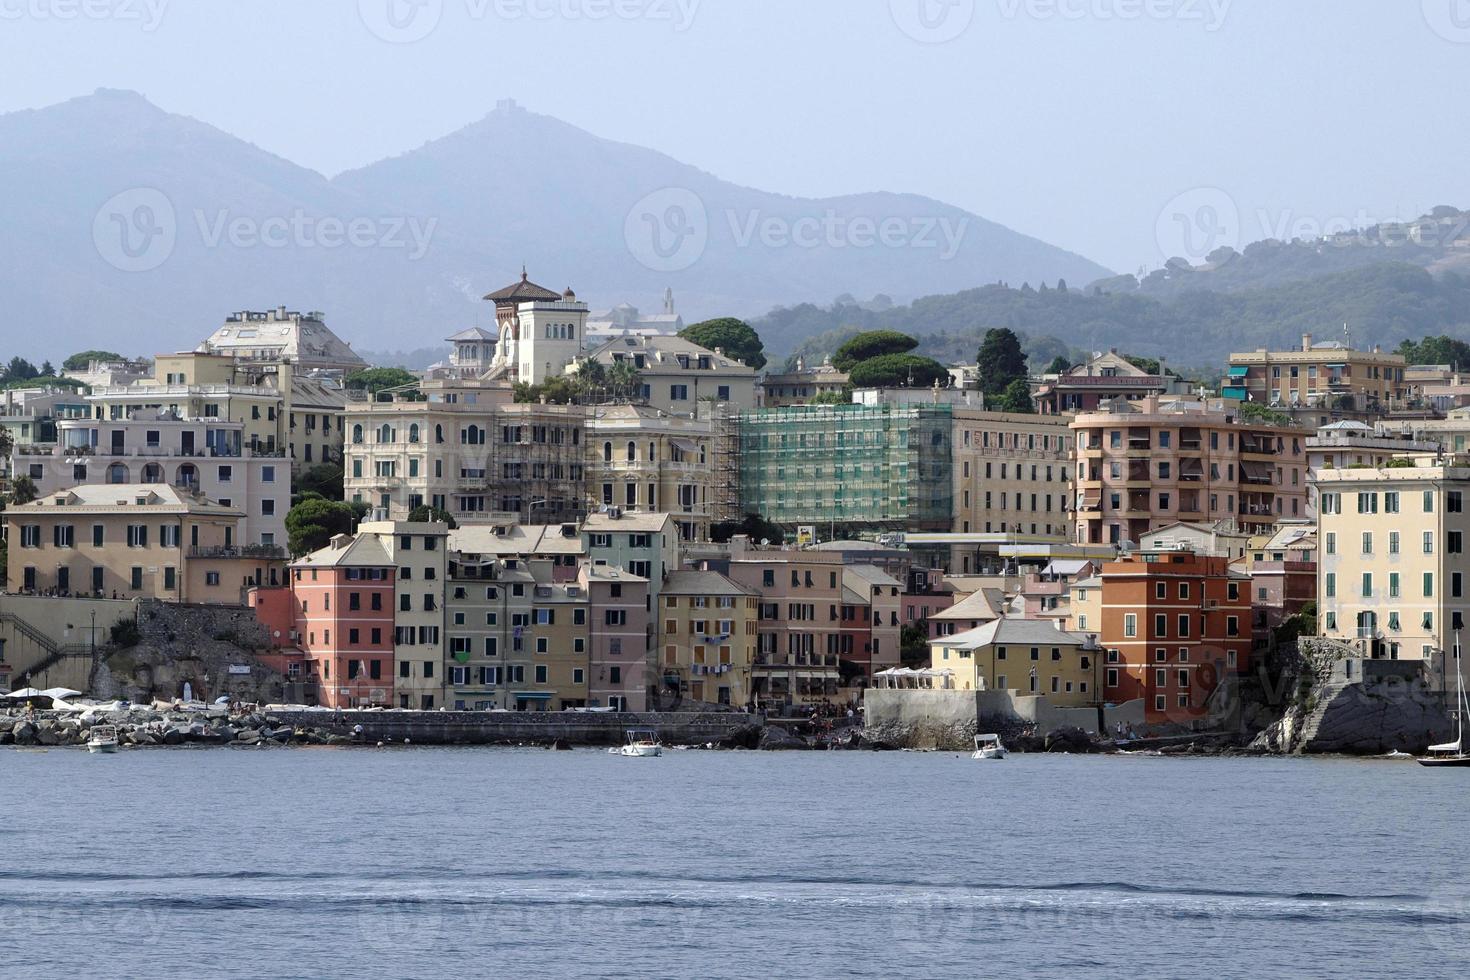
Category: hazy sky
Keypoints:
(1110, 127)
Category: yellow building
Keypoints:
(1391, 557)
(1012, 474)
(1024, 656)
(707, 635)
(150, 541)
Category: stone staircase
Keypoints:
(54, 652)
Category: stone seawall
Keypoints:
(527, 728)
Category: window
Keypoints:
(1452, 502)
(1393, 542)
(1161, 624)
(1428, 584)
(1429, 542)
(1367, 585)
(1130, 624)
(1367, 542)
(1391, 502)
(679, 393)
(137, 535)
(1454, 543)
(1330, 585)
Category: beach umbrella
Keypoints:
(61, 692)
(25, 693)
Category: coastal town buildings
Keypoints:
(1142, 465)
(1012, 474)
(141, 541)
(640, 458)
(677, 374)
(155, 446)
(800, 385)
(798, 626)
(1174, 625)
(1322, 379)
(420, 558)
(1391, 566)
(708, 628)
(1103, 377)
(1027, 657)
(849, 469)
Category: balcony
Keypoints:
(269, 552)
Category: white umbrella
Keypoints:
(61, 692)
(25, 692)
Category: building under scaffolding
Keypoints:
(849, 469)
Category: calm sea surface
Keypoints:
(461, 863)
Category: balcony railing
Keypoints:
(264, 551)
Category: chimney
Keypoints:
(1306, 341)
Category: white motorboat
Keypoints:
(988, 747)
(102, 738)
(641, 744)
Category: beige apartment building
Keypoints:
(1143, 465)
(678, 374)
(799, 625)
(644, 459)
(281, 408)
(143, 541)
(1327, 375)
(1012, 474)
(420, 554)
(707, 637)
(464, 447)
(154, 446)
(1391, 558)
(800, 386)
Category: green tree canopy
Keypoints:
(1436, 350)
(20, 369)
(735, 337)
(870, 344)
(899, 371)
(432, 515)
(1001, 361)
(323, 480)
(1016, 398)
(312, 524)
(379, 379)
(1059, 365)
(22, 490)
(754, 526)
(80, 360)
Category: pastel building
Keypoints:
(1026, 657)
(1143, 465)
(620, 671)
(707, 637)
(343, 599)
(1175, 626)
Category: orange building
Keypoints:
(1175, 625)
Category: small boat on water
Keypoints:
(102, 738)
(1452, 754)
(988, 747)
(641, 744)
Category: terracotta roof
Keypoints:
(524, 291)
(701, 583)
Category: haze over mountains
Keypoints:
(126, 227)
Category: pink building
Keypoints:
(619, 668)
(338, 613)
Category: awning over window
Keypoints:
(1258, 472)
(1239, 372)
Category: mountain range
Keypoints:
(126, 227)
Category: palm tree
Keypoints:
(625, 381)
